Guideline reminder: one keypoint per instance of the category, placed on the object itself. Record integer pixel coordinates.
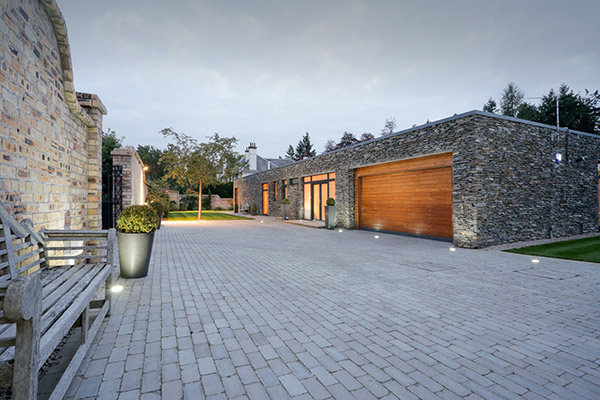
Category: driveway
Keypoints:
(251, 310)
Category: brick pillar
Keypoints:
(134, 190)
(96, 110)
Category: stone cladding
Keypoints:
(50, 136)
(507, 185)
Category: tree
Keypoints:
(189, 162)
(575, 111)
(290, 153)
(389, 126)
(366, 136)
(347, 139)
(512, 98)
(330, 146)
(150, 156)
(528, 111)
(304, 149)
(110, 141)
(490, 106)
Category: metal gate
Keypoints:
(112, 195)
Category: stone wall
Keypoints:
(135, 190)
(506, 185)
(50, 136)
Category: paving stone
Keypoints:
(419, 322)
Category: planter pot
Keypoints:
(329, 217)
(159, 219)
(285, 211)
(134, 253)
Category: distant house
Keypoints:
(257, 163)
(476, 179)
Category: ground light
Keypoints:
(116, 289)
(376, 236)
(340, 231)
(262, 222)
(535, 261)
(452, 249)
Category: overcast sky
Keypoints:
(268, 71)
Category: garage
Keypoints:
(410, 196)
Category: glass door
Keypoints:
(265, 199)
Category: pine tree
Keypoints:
(490, 106)
(512, 98)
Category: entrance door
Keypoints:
(265, 199)
(317, 189)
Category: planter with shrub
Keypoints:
(330, 213)
(285, 209)
(135, 234)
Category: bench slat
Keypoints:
(69, 307)
(59, 329)
(31, 265)
(30, 254)
(75, 248)
(73, 294)
(50, 298)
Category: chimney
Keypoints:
(252, 157)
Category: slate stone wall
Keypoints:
(506, 185)
(50, 136)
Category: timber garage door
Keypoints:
(410, 196)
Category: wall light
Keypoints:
(116, 289)
(558, 158)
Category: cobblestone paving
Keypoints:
(251, 310)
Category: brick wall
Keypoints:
(506, 184)
(50, 136)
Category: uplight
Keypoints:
(452, 249)
(262, 222)
(340, 231)
(535, 261)
(376, 236)
(116, 289)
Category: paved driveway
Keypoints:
(244, 309)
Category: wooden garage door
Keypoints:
(410, 196)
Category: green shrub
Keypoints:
(173, 206)
(219, 208)
(285, 201)
(331, 201)
(137, 219)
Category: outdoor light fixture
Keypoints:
(558, 158)
(535, 261)
(146, 168)
(340, 231)
(262, 222)
(376, 236)
(116, 288)
(452, 249)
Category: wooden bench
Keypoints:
(50, 282)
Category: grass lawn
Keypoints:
(587, 249)
(206, 215)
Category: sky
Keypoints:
(269, 71)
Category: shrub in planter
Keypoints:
(330, 213)
(135, 234)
